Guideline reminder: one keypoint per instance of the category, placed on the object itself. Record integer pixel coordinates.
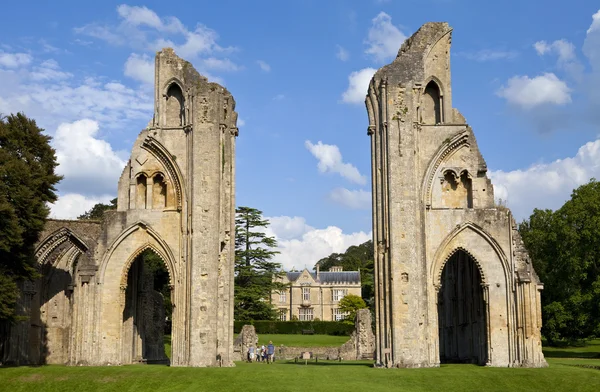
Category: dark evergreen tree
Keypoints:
(97, 211)
(27, 181)
(254, 269)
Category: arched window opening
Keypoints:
(141, 192)
(457, 190)
(148, 310)
(461, 312)
(431, 112)
(175, 111)
(159, 192)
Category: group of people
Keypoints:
(262, 353)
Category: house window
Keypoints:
(282, 297)
(338, 294)
(306, 314)
(282, 315)
(338, 315)
(305, 293)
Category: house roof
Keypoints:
(329, 277)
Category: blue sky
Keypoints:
(526, 77)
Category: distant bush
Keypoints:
(296, 327)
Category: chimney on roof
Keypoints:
(318, 270)
(336, 268)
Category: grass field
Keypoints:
(566, 373)
(303, 340)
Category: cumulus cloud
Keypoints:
(330, 161)
(384, 39)
(143, 29)
(89, 165)
(263, 65)
(302, 245)
(14, 60)
(140, 68)
(564, 49)
(527, 93)
(341, 53)
(71, 205)
(546, 185)
(355, 199)
(358, 85)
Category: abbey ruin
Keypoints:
(453, 280)
(92, 305)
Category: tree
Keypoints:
(97, 211)
(27, 181)
(564, 247)
(254, 270)
(350, 304)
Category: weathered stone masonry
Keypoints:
(453, 280)
(175, 197)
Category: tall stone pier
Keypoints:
(453, 280)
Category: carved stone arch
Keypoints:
(165, 253)
(174, 112)
(434, 43)
(448, 148)
(437, 81)
(161, 153)
(138, 252)
(168, 84)
(439, 262)
(51, 242)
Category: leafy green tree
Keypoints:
(97, 211)
(254, 269)
(27, 181)
(564, 246)
(350, 304)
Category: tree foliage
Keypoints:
(350, 304)
(97, 211)
(27, 181)
(254, 269)
(564, 246)
(359, 257)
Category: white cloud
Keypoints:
(546, 185)
(341, 53)
(241, 122)
(140, 68)
(14, 60)
(302, 245)
(564, 49)
(71, 205)
(528, 93)
(595, 26)
(330, 161)
(358, 85)
(263, 65)
(279, 97)
(354, 199)
(384, 39)
(49, 70)
(138, 16)
(220, 64)
(89, 165)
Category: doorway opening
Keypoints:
(461, 312)
(148, 310)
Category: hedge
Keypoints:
(296, 327)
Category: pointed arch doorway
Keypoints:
(462, 318)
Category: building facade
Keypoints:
(91, 305)
(315, 295)
(453, 280)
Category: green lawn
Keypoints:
(303, 340)
(571, 369)
(288, 376)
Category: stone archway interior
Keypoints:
(147, 310)
(461, 312)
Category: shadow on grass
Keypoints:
(570, 354)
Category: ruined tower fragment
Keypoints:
(453, 280)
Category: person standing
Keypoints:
(270, 352)
(251, 353)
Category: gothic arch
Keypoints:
(448, 148)
(161, 153)
(446, 250)
(165, 253)
(138, 252)
(52, 241)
